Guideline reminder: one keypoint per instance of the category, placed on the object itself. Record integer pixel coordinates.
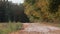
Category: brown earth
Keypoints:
(38, 28)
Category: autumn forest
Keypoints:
(30, 11)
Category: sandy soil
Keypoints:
(37, 28)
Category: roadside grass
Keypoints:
(6, 28)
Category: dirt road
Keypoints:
(37, 28)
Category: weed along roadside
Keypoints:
(6, 28)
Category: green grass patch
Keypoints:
(6, 28)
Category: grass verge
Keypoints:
(5, 28)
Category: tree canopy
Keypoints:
(42, 10)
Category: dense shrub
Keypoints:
(45, 10)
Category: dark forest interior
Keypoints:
(12, 12)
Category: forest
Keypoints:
(30, 11)
(12, 12)
(43, 10)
